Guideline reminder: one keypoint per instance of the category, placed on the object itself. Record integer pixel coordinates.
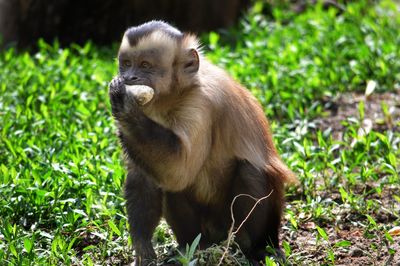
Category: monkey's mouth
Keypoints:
(131, 83)
(138, 82)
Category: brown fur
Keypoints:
(202, 140)
(217, 122)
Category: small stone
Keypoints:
(141, 93)
(356, 252)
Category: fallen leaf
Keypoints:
(365, 127)
(395, 231)
(356, 233)
(309, 225)
(371, 85)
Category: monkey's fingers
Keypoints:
(116, 83)
(117, 94)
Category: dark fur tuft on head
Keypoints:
(134, 34)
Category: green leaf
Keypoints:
(13, 250)
(389, 238)
(287, 248)
(331, 255)
(10, 146)
(397, 198)
(194, 245)
(28, 244)
(392, 159)
(322, 233)
(269, 262)
(343, 194)
(4, 171)
(343, 243)
(371, 220)
(114, 228)
(361, 110)
(300, 148)
(71, 243)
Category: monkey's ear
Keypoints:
(191, 62)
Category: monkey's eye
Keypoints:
(145, 64)
(126, 63)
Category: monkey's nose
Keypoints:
(130, 79)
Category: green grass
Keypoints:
(61, 174)
(315, 54)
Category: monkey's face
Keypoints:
(145, 67)
(153, 55)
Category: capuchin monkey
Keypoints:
(202, 140)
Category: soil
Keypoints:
(363, 250)
(345, 109)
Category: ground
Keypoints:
(366, 248)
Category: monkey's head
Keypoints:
(160, 56)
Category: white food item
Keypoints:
(141, 93)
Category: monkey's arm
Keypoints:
(172, 156)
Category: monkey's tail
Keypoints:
(278, 169)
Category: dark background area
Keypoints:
(23, 22)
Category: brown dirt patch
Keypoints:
(381, 112)
(368, 246)
(365, 248)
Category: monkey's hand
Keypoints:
(121, 104)
(117, 94)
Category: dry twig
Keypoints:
(232, 233)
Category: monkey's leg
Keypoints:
(183, 217)
(262, 225)
(144, 212)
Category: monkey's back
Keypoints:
(240, 124)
